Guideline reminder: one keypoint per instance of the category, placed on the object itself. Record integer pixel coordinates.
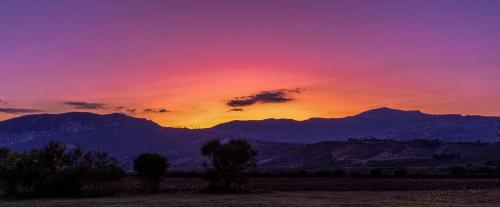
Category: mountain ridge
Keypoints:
(382, 123)
(281, 142)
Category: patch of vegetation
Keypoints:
(56, 170)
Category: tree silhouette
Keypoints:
(231, 162)
(151, 169)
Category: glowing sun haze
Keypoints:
(199, 63)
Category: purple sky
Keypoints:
(192, 57)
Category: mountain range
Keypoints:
(375, 136)
(381, 123)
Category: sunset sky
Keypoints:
(199, 63)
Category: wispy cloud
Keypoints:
(85, 105)
(19, 111)
(275, 96)
(156, 110)
(235, 110)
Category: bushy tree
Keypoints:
(100, 170)
(151, 169)
(230, 163)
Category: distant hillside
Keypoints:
(382, 123)
(118, 134)
(380, 153)
(125, 137)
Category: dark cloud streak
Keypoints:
(276, 96)
(19, 111)
(85, 105)
(156, 111)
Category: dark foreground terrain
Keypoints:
(300, 191)
(479, 198)
(345, 184)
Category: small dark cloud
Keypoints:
(276, 96)
(19, 111)
(156, 111)
(119, 108)
(85, 105)
(126, 110)
(3, 102)
(235, 109)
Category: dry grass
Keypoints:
(480, 198)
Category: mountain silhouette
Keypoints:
(279, 141)
(381, 123)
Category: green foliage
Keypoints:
(231, 162)
(56, 170)
(151, 169)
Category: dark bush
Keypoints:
(322, 173)
(338, 173)
(302, 173)
(355, 173)
(485, 170)
(457, 171)
(400, 172)
(377, 172)
(151, 169)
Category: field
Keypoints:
(479, 198)
(296, 191)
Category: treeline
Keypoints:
(58, 170)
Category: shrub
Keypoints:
(457, 171)
(338, 173)
(151, 169)
(322, 173)
(400, 172)
(302, 173)
(377, 172)
(355, 173)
